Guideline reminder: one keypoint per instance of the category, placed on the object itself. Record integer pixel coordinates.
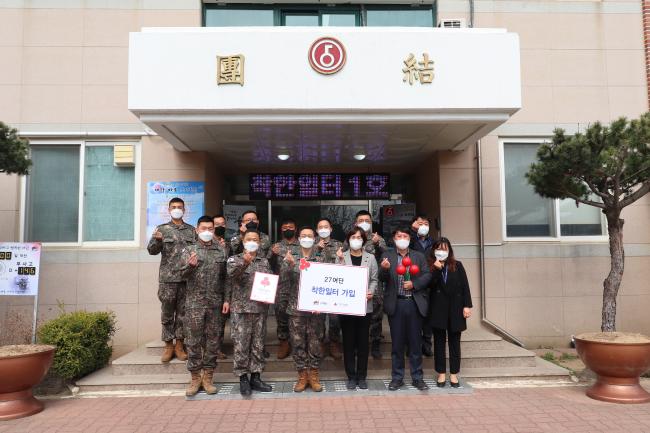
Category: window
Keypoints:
(527, 215)
(347, 15)
(399, 16)
(57, 211)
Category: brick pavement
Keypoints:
(558, 409)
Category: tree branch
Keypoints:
(584, 201)
(628, 200)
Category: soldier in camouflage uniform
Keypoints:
(305, 329)
(250, 221)
(289, 243)
(219, 235)
(248, 325)
(205, 272)
(328, 248)
(171, 240)
(375, 245)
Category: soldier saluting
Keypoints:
(205, 270)
(170, 240)
(248, 318)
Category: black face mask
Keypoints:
(252, 225)
(220, 231)
(288, 234)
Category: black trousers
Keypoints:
(440, 337)
(406, 328)
(355, 345)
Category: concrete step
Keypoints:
(141, 362)
(542, 373)
(470, 340)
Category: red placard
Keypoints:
(327, 55)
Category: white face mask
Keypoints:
(441, 255)
(251, 246)
(306, 242)
(365, 226)
(402, 244)
(423, 230)
(176, 213)
(206, 236)
(356, 244)
(324, 233)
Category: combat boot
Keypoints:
(258, 384)
(206, 381)
(335, 350)
(314, 380)
(195, 384)
(168, 352)
(179, 351)
(303, 380)
(283, 349)
(244, 385)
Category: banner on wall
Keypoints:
(159, 194)
(19, 268)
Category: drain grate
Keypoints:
(330, 387)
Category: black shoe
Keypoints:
(394, 385)
(362, 384)
(420, 384)
(244, 385)
(441, 384)
(258, 384)
(375, 350)
(351, 384)
(426, 351)
(454, 384)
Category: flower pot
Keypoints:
(21, 368)
(618, 359)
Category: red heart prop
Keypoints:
(414, 269)
(401, 270)
(304, 264)
(406, 261)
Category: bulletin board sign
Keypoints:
(159, 194)
(330, 288)
(19, 268)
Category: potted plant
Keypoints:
(21, 368)
(607, 167)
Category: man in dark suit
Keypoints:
(406, 304)
(422, 241)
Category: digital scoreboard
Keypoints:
(321, 186)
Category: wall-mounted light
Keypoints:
(359, 156)
(283, 156)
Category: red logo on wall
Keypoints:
(327, 55)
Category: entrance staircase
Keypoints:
(486, 359)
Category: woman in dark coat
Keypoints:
(449, 308)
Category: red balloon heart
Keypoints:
(401, 270)
(304, 264)
(414, 269)
(406, 261)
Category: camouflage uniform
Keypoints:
(282, 297)
(203, 303)
(329, 253)
(237, 246)
(377, 314)
(305, 329)
(171, 286)
(248, 325)
(222, 318)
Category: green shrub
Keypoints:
(81, 339)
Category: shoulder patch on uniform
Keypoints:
(233, 238)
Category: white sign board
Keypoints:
(19, 268)
(329, 288)
(264, 288)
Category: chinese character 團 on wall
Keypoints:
(230, 69)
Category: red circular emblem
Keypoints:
(327, 55)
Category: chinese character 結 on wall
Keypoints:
(421, 71)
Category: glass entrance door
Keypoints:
(341, 213)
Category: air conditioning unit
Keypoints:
(452, 23)
(124, 155)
